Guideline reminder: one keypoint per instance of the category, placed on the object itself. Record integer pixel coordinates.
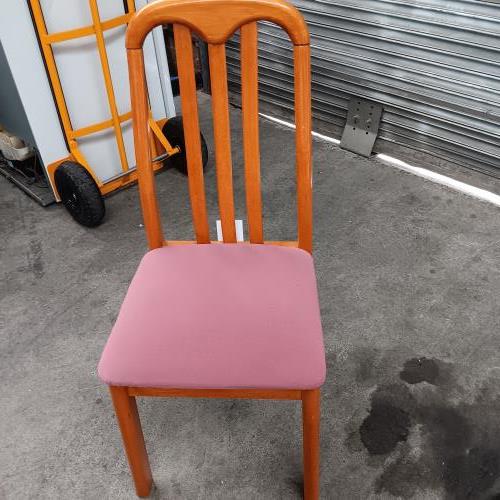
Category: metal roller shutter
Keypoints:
(434, 65)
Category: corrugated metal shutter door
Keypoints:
(433, 64)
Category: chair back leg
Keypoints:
(310, 426)
(133, 439)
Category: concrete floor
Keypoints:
(409, 283)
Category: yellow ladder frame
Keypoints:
(97, 29)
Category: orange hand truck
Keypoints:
(77, 185)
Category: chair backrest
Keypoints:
(215, 21)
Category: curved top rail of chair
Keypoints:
(204, 17)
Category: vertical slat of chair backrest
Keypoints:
(145, 174)
(222, 139)
(250, 111)
(184, 54)
(303, 144)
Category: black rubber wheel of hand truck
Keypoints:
(174, 133)
(79, 193)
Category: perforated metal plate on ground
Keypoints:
(361, 128)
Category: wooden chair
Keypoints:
(230, 320)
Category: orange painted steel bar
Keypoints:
(131, 7)
(97, 127)
(52, 70)
(63, 36)
(163, 140)
(103, 56)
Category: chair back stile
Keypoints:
(203, 17)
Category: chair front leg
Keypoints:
(133, 439)
(310, 426)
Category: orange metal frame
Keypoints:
(158, 141)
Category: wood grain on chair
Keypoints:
(215, 21)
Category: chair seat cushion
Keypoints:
(219, 316)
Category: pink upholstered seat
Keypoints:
(219, 316)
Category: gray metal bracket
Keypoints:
(361, 128)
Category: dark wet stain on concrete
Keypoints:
(432, 442)
(470, 474)
(384, 428)
(388, 422)
(404, 478)
(418, 370)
